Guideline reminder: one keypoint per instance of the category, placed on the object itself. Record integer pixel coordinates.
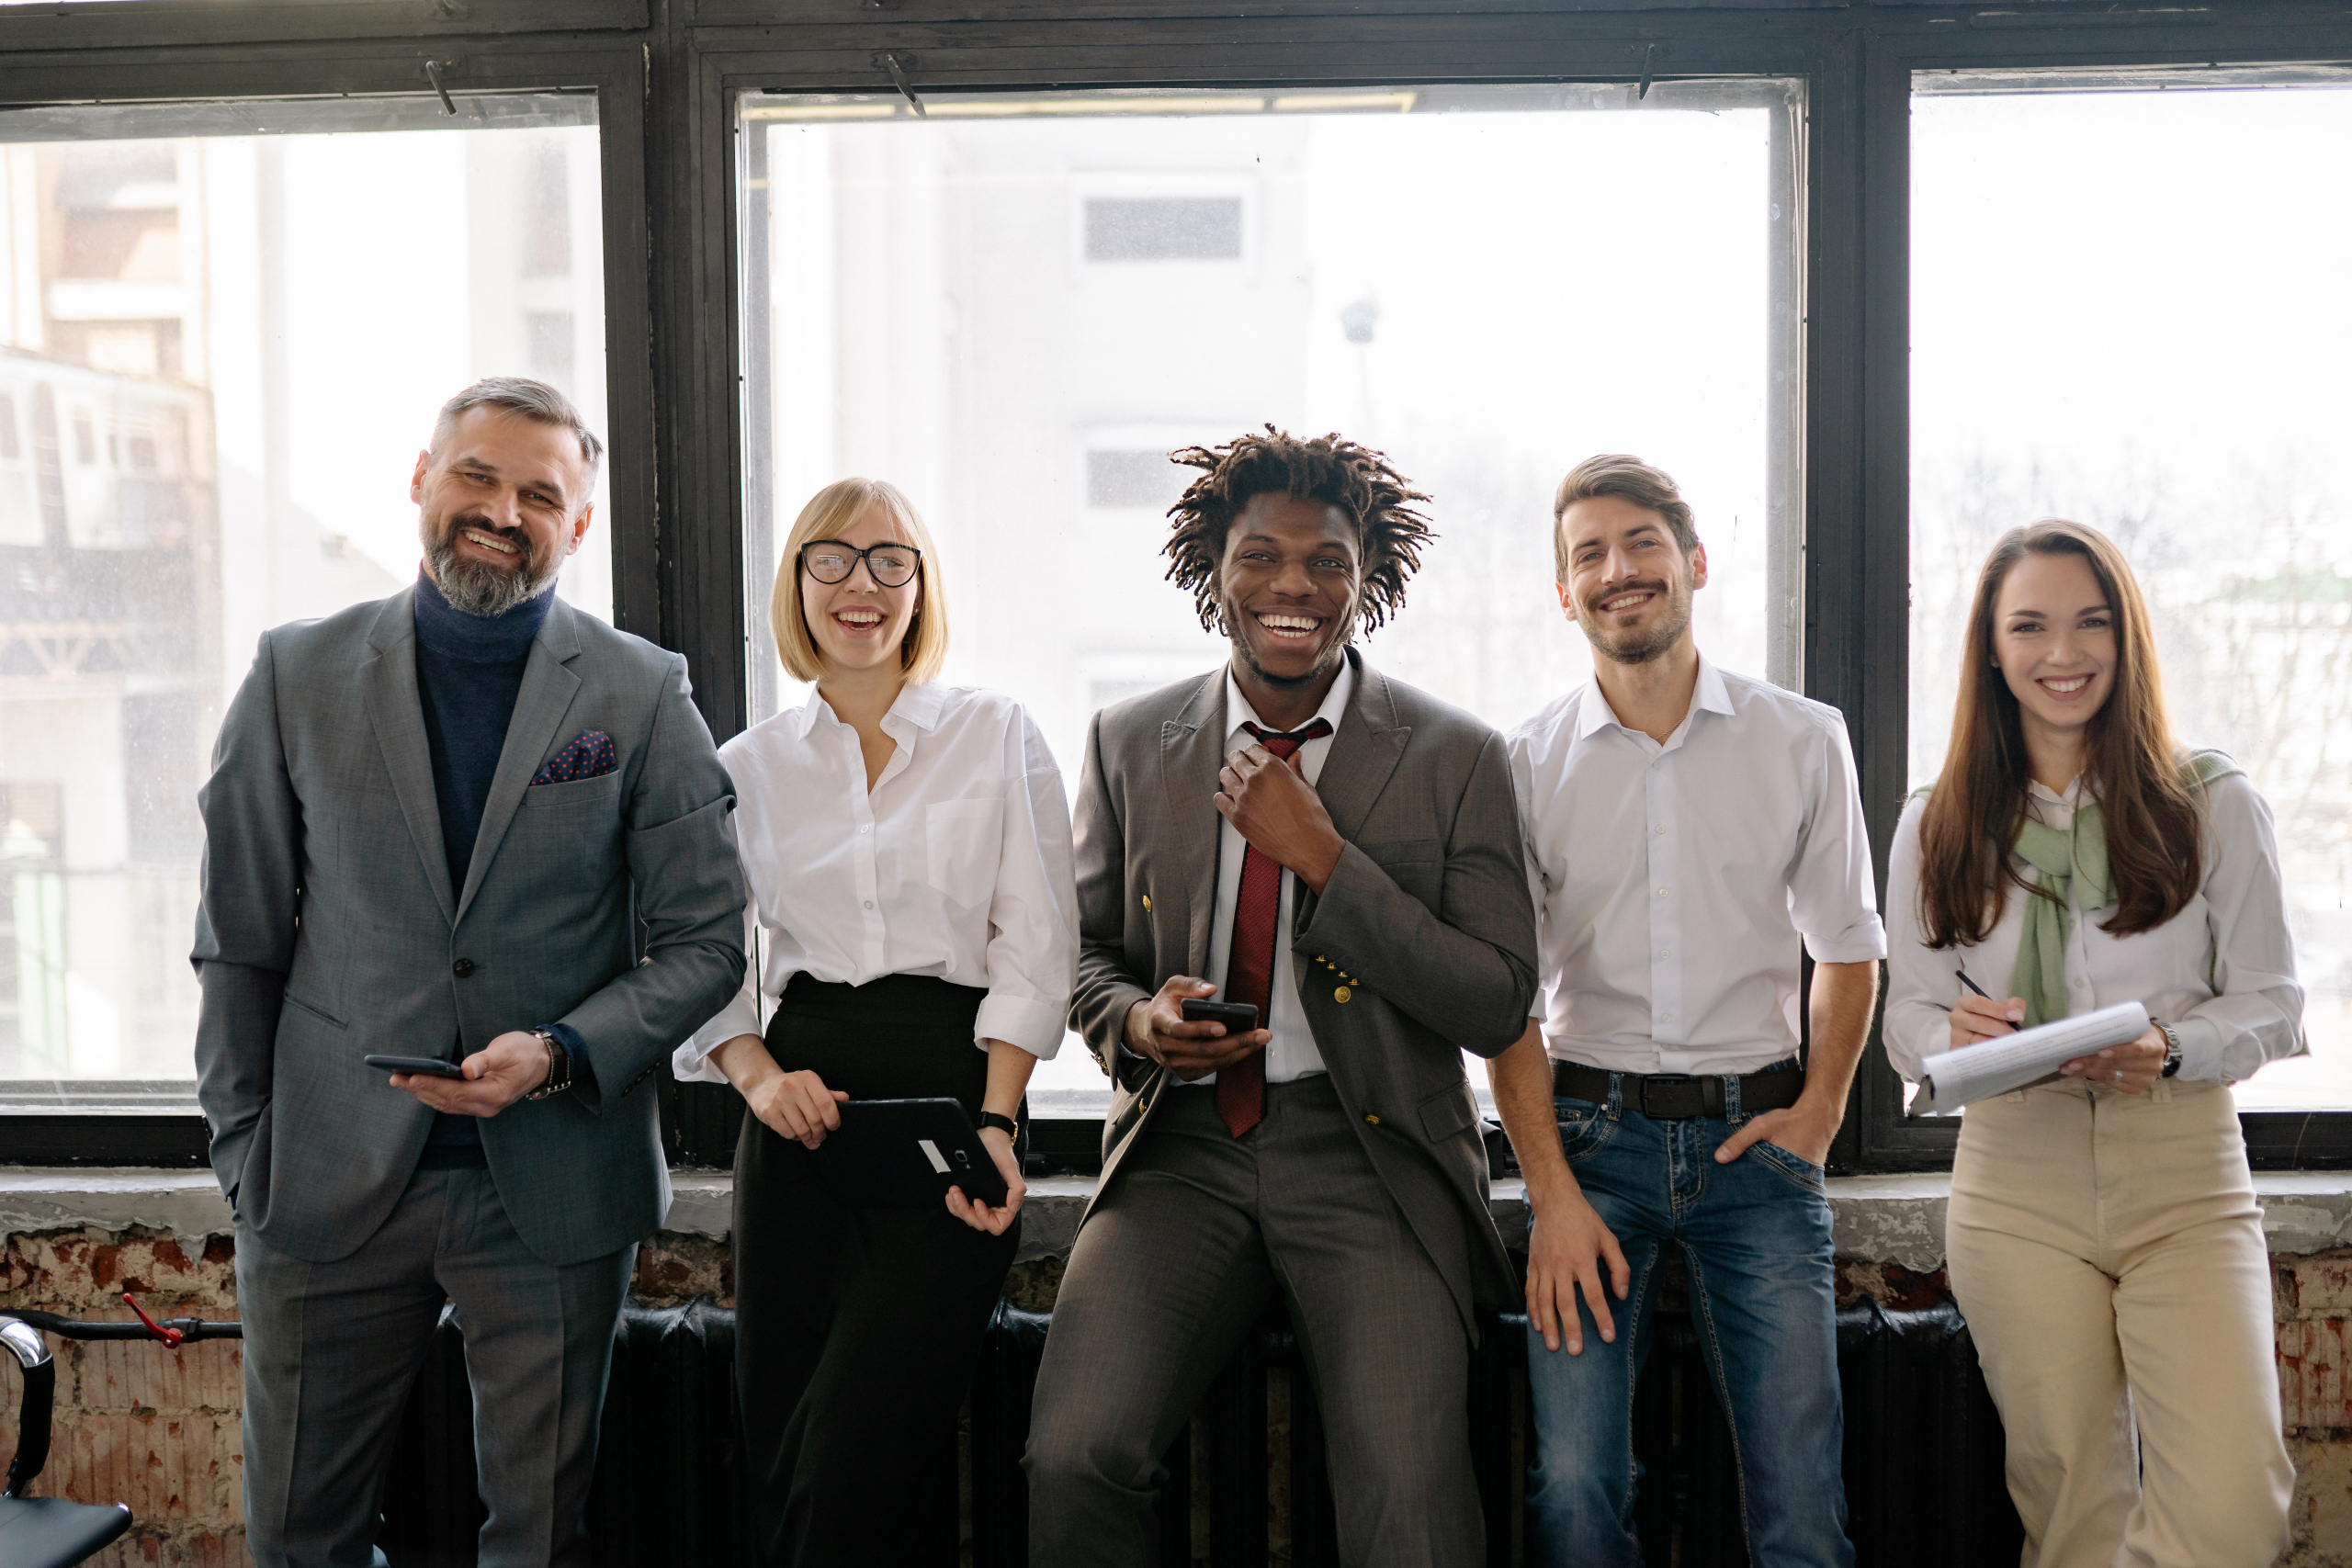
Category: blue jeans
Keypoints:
(1755, 1236)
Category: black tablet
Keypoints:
(906, 1154)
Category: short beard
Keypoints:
(1332, 655)
(1648, 645)
(477, 588)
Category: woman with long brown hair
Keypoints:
(2103, 1237)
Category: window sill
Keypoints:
(1882, 1219)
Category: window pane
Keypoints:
(2128, 308)
(225, 331)
(1015, 309)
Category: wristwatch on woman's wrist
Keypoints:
(2172, 1048)
(1004, 1125)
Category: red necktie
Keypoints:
(1250, 967)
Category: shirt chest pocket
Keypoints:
(962, 840)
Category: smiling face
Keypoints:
(1629, 584)
(500, 507)
(856, 622)
(1289, 587)
(2053, 639)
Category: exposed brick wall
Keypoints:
(158, 1429)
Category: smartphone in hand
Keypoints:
(423, 1067)
(1239, 1017)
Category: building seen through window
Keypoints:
(219, 354)
(1016, 306)
(2128, 308)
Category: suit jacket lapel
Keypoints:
(548, 687)
(1191, 749)
(388, 684)
(1366, 751)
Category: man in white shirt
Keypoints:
(1297, 832)
(1686, 830)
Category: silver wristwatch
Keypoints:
(2172, 1047)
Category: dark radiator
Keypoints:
(1246, 1479)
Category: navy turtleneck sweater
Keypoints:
(469, 675)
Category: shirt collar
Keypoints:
(1709, 695)
(917, 711)
(1237, 711)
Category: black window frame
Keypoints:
(667, 72)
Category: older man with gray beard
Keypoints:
(470, 827)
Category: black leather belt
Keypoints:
(1672, 1096)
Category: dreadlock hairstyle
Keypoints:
(1330, 469)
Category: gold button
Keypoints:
(1342, 994)
(1374, 1121)
(1147, 902)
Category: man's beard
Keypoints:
(1640, 648)
(1333, 654)
(479, 588)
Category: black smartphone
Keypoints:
(423, 1067)
(1239, 1017)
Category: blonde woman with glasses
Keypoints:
(2103, 1235)
(906, 846)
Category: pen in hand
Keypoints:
(1962, 974)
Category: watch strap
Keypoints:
(1004, 1125)
(558, 1077)
(2172, 1049)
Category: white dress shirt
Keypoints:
(1290, 1054)
(2221, 972)
(1672, 883)
(958, 864)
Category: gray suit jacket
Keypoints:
(1427, 915)
(328, 929)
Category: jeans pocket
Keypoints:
(1585, 1128)
(1798, 1169)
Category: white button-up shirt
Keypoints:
(2221, 972)
(1290, 1054)
(1672, 883)
(956, 864)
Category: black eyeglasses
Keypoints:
(831, 560)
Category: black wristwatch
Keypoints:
(2172, 1048)
(1004, 1125)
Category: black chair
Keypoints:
(44, 1532)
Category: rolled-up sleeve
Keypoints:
(1832, 898)
(2257, 1013)
(1033, 916)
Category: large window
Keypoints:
(223, 333)
(1016, 306)
(2129, 309)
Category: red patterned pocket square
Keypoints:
(590, 755)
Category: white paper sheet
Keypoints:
(1951, 1080)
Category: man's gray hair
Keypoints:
(532, 400)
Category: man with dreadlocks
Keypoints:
(1298, 833)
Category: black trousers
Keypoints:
(856, 1328)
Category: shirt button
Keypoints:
(462, 967)
(861, 829)
(1661, 826)
(869, 903)
(1661, 952)
(1661, 892)
(1666, 1017)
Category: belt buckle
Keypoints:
(1666, 1081)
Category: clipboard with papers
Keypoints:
(1954, 1078)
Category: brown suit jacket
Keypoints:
(1427, 916)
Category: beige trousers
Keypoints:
(2108, 1251)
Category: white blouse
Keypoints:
(958, 864)
(2221, 972)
